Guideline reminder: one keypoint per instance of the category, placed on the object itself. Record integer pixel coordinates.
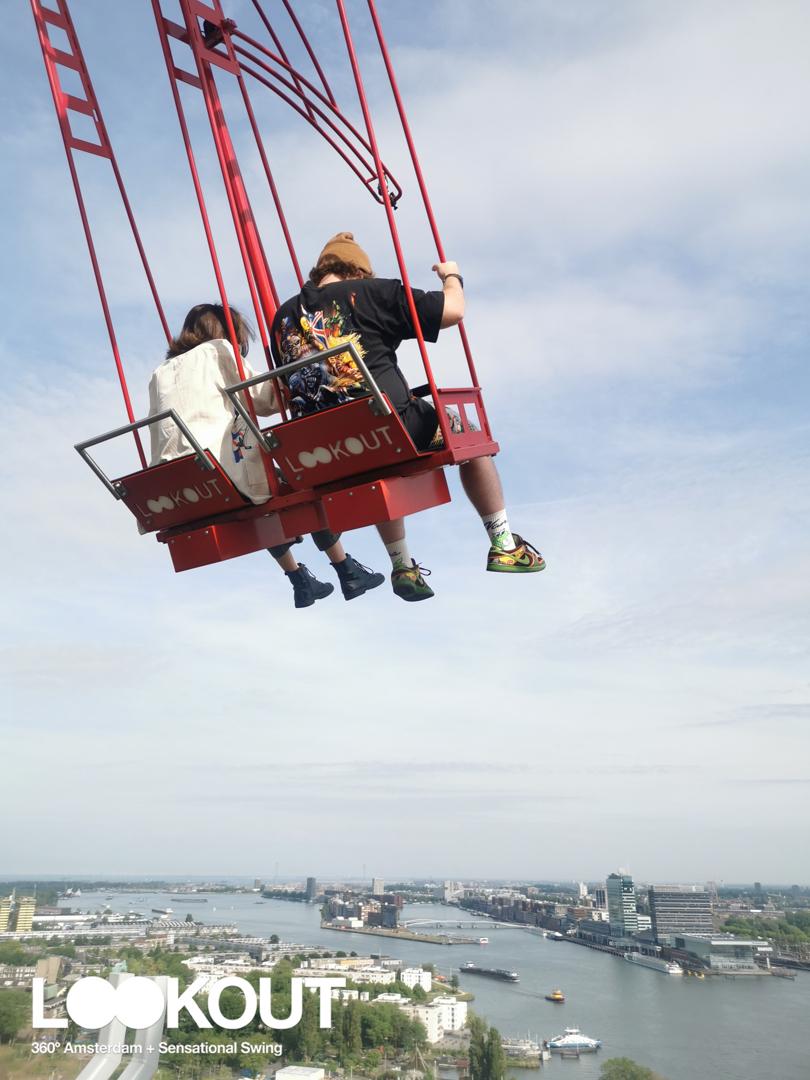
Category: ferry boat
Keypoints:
(666, 967)
(162, 911)
(557, 996)
(492, 973)
(573, 1039)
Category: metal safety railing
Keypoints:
(115, 487)
(267, 440)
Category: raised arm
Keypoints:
(453, 288)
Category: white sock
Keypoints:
(400, 556)
(497, 526)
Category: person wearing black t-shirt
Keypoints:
(343, 301)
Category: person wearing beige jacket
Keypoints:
(199, 364)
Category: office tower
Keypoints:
(26, 906)
(583, 890)
(377, 886)
(621, 897)
(5, 913)
(600, 898)
(680, 909)
(312, 888)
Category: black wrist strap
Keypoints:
(460, 278)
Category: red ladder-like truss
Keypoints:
(190, 503)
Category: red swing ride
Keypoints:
(344, 468)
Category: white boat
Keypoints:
(521, 1048)
(573, 1039)
(483, 941)
(666, 967)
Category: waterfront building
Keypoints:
(621, 898)
(452, 891)
(5, 912)
(412, 977)
(311, 891)
(680, 909)
(26, 906)
(595, 930)
(725, 952)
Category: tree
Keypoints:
(454, 980)
(15, 1013)
(625, 1069)
(495, 1057)
(487, 1059)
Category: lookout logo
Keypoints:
(352, 446)
(138, 1002)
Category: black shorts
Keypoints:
(422, 424)
(421, 421)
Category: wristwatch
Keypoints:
(460, 278)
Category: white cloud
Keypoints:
(622, 194)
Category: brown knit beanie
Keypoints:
(344, 247)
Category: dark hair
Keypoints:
(331, 264)
(206, 322)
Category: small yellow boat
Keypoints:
(557, 996)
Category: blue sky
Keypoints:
(625, 190)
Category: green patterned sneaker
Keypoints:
(524, 558)
(408, 583)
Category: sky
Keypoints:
(625, 189)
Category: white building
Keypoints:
(412, 977)
(392, 999)
(429, 1017)
(438, 1016)
(378, 976)
(340, 993)
(453, 1012)
(300, 1072)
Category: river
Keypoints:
(684, 1028)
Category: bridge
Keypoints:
(486, 924)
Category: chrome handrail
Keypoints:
(377, 402)
(115, 488)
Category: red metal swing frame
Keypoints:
(190, 503)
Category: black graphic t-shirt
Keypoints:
(373, 314)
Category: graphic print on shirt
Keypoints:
(238, 433)
(326, 382)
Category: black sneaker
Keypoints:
(306, 587)
(356, 579)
